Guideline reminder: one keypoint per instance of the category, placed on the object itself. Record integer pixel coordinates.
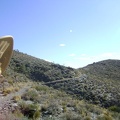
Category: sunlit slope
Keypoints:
(109, 69)
(98, 83)
(38, 69)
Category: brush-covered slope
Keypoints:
(109, 69)
(35, 99)
(106, 77)
(99, 83)
(38, 69)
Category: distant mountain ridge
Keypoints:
(109, 69)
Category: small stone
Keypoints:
(14, 104)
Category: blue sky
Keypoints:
(68, 32)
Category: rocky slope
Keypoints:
(38, 69)
(98, 83)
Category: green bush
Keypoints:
(104, 117)
(30, 110)
(114, 109)
(87, 118)
(41, 88)
(31, 95)
(36, 115)
(72, 116)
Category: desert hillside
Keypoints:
(98, 83)
(34, 89)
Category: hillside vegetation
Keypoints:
(89, 93)
(38, 69)
(98, 83)
(109, 69)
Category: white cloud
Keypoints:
(71, 31)
(109, 55)
(62, 45)
(47, 60)
(83, 54)
(72, 55)
(71, 64)
(84, 59)
(102, 56)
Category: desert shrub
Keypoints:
(44, 107)
(71, 116)
(53, 108)
(64, 108)
(18, 113)
(13, 116)
(93, 109)
(104, 117)
(10, 81)
(41, 88)
(17, 98)
(36, 115)
(30, 110)
(87, 118)
(22, 105)
(60, 94)
(116, 115)
(114, 109)
(31, 95)
(8, 90)
(16, 89)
